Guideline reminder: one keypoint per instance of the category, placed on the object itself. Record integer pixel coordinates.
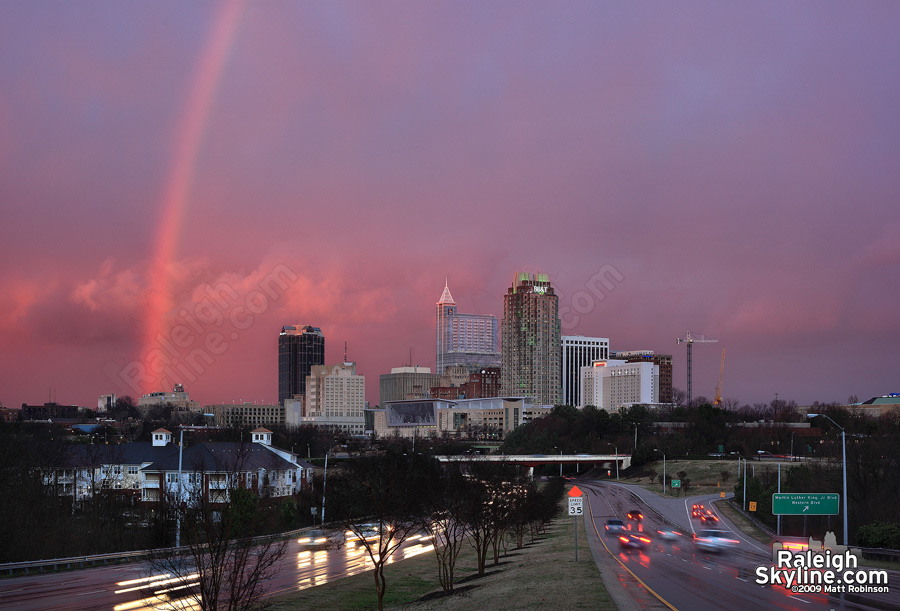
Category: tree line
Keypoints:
(489, 506)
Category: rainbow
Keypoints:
(189, 137)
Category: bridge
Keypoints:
(606, 461)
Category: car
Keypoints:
(634, 514)
(615, 526)
(321, 539)
(668, 534)
(709, 518)
(634, 540)
(714, 540)
(697, 510)
(363, 531)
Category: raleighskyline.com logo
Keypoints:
(819, 568)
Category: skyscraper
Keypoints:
(665, 368)
(530, 340)
(579, 351)
(299, 348)
(611, 384)
(470, 340)
(336, 397)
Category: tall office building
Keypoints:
(470, 340)
(611, 384)
(404, 383)
(579, 351)
(336, 397)
(299, 348)
(530, 340)
(665, 368)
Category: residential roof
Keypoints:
(134, 453)
(223, 457)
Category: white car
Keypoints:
(714, 540)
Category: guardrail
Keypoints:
(79, 562)
(872, 553)
(877, 553)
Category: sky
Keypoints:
(178, 181)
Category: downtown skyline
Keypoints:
(728, 169)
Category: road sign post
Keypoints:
(576, 508)
(807, 504)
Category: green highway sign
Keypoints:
(806, 504)
(676, 483)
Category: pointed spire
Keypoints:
(446, 297)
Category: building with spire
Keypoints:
(469, 340)
(531, 340)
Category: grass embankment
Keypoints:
(705, 476)
(746, 526)
(542, 575)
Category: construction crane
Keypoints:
(690, 340)
(719, 385)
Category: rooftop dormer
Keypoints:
(261, 435)
(161, 437)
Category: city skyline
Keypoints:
(180, 182)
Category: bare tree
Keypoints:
(494, 485)
(444, 520)
(383, 494)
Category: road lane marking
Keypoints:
(640, 581)
(94, 592)
(800, 599)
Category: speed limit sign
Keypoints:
(575, 506)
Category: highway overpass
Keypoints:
(604, 461)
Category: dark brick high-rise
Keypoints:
(299, 348)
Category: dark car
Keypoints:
(697, 510)
(634, 540)
(709, 518)
(634, 514)
(615, 526)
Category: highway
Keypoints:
(666, 575)
(678, 576)
(131, 587)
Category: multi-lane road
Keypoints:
(667, 574)
(679, 576)
(133, 587)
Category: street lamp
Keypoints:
(664, 469)
(844, 447)
(617, 462)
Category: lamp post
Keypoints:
(324, 478)
(664, 470)
(844, 461)
(745, 484)
(617, 463)
(178, 496)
